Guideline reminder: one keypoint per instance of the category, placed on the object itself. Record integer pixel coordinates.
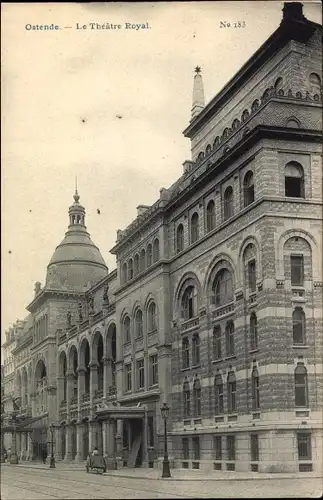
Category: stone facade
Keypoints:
(215, 305)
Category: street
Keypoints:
(42, 484)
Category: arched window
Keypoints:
(126, 329)
(142, 264)
(195, 349)
(235, 124)
(292, 123)
(200, 157)
(315, 83)
(294, 180)
(229, 338)
(149, 255)
(136, 265)
(300, 379)
(138, 322)
(232, 389)
(216, 142)
(255, 105)
(185, 353)
(223, 287)
(248, 189)
(255, 389)
(225, 133)
(298, 326)
(197, 398)
(278, 84)
(245, 115)
(228, 203)
(188, 303)
(130, 269)
(156, 250)
(208, 149)
(124, 272)
(217, 338)
(179, 238)
(187, 399)
(218, 395)
(152, 317)
(194, 227)
(210, 216)
(253, 332)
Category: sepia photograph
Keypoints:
(161, 210)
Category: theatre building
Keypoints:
(215, 305)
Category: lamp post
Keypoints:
(52, 457)
(165, 414)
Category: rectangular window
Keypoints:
(140, 374)
(252, 275)
(297, 270)
(153, 360)
(186, 449)
(217, 353)
(254, 445)
(304, 446)
(217, 444)
(128, 372)
(231, 447)
(232, 396)
(196, 447)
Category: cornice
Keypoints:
(287, 31)
(51, 292)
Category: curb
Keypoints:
(159, 478)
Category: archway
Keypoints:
(41, 387)
(62, 375)
(97, 356)
(73, 368)
(112, 351)
(85, 364)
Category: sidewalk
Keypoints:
(177, 474)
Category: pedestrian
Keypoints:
(95, 451)
(44, 455)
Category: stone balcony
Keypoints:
(190, 324)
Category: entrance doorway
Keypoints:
(136, 437)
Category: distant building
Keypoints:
(216, 302)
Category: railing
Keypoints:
(189, 324)
(221, 311)
(98, 393)
(73, 400)
(86, 397)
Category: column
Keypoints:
(100, 437)
(69, 391)
(79, 442)
(58, 443)
(80, 387)
(18, 445)
(68, 452)
(145, 439)
(33, 403)
(105, 438)
(111, 462)
(91, 436)
(93, 383)
(119, 439)
(107, 376)
(29, 446)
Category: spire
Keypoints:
(76, 212)
(198, 93)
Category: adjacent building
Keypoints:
(216, 303)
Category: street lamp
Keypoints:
(52, 458)
(165, 414)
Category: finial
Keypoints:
(76, 195)
(198, 93)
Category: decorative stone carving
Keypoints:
(69, 319)
(79, 309)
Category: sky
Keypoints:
(108, 106)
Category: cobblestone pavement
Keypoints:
(38, 483)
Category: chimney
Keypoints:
(293, 11)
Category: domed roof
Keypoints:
(77, 262)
